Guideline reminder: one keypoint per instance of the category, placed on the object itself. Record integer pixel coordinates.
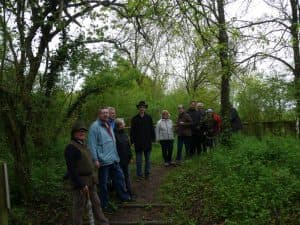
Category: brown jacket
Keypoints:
(184, 125)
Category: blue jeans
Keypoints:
(139, 162)
(186, 140)
(118, 180)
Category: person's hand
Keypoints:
(181, 122)
(85, 190)
(97, 164)
(131, 161)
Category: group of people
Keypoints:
(196, 129)
(106, 155)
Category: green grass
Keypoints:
(252, 183)
(156, 154)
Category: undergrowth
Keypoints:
(255, 182)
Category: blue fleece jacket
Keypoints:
(102, 143)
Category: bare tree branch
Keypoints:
(267, 55)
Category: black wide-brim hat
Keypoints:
(142, 103)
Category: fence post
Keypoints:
(4, 194)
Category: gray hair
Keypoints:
(200, 104)
(119, 121)
(111, 108)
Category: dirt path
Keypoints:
(148, 208)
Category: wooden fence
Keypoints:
(259, 129)
(278, 128)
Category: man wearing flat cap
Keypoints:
(82, 176)
(142, 135)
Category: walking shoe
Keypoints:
(172, 163)
(167, 164)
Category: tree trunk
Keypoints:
(226, 73)
(295, 7)
(17, 134)
(22, 170)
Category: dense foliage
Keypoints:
(252, 183)
(265, 99)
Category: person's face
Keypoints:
(193, 105)
(142, 109)
(180, 109)
(80, 135)
(200, 107)
(104, 114)
(121, 126)
(165, 115)
(112, 114)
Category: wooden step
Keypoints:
(143, 205)
(153, 222)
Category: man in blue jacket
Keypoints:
(102, 144)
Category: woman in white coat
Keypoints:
(165, 136)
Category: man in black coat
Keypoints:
(197, 142)
(142, 135)
(236, 123)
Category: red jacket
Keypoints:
(217, 118)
